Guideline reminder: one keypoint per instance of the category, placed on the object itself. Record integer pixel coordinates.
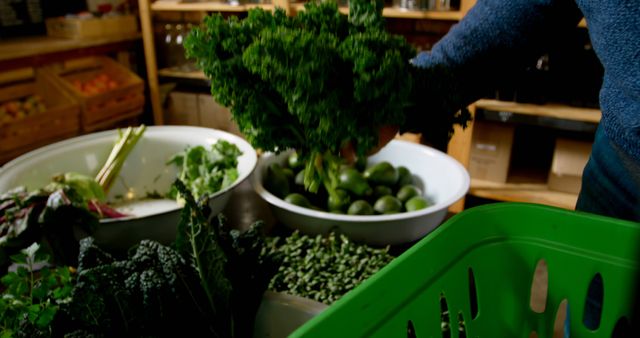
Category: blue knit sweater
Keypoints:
(498, 37)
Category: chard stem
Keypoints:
(118, 155)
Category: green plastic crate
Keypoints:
(482, 261)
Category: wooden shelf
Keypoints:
(522, 192)
(393, 12)
(39, 45)
(178, 6)
(176, 73)
(549, 110)
(299, 6)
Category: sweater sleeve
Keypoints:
(496, 39)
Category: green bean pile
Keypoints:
(323, 268)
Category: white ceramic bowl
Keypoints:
(443, 179)
(144, 171)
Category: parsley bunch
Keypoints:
(312, 82)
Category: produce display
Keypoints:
(28, 216)
(315, 81)
(378, 189)
(323, 268)
(18, 109)
(209, 282)
(97, 84)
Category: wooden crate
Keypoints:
(77, 28)
(60, 120)
(99, 111)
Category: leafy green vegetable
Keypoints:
(196, 240)
(30, 299)
(149, 293)
(46, 217)
(232, 270)
(206, 172)
(312, 82)
(19, 212)
(211, 284)
(71, 202)
(86, 187)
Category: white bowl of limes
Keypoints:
(439, 178)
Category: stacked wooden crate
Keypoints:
(108, 92)
(34, 111)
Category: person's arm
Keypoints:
(495, 40)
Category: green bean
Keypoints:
(323, 268)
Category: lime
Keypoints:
(407, 192)
(387, 205)
(416, 203)
(404, 176)
(360, 207)
(298, 199)
(276, 180)
(352, 180)
(338, 201)
(382, 173)
(381, 190)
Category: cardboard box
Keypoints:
(182, 109)
(214, 115)
(569, 159)
(199, 110)
(490, 151)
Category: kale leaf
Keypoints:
(148, 294)
(197, 242)
(232, 271)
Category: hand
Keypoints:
(385, 135)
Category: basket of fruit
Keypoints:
(34, 111)
(107, 91)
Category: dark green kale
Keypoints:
(197, 241)
(232, 271)
(210, 284)
(151, 293)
